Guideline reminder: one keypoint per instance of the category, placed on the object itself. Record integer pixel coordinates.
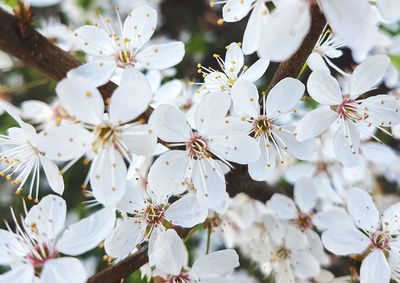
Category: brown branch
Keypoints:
(36, 51)
(293, 66)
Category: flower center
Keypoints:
(282, 254)
(40, 254)
(303, 221)
(349, 109)
(197, 147)
(154, 214)
(105, 135)
(262, 126)
(182, 278)
(380, 240)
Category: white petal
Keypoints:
(284, 30)
(220, 263)
(324, 88)
(347, 144)
(48, 216)
(169, 253)
(263, 168)
(234, 60)
(133, 200)
(362, 209)
(334, 219)
(377, 153)
(316, 248)
(282, 207)
(252, 33)
(90, 108)
(316, 63)
(126, 236)
(131, 98)
(210, 112)
(11, 248)
(314, 123)
(65, 142)
(345, 241)
(284, 96)
(139, 139)
(256, 71)
(348, 18)
(139, 26)
(383, 110)
(302, 169)
(21, 274)
(209, 181)
(170, 124)
(305, 265)
(238, 148)
(168, 172)
(375, 268)
(86, 234)
(244, 96)
(108, 176)
(286, 139)
(389, 9)
(390, 218)
(94, 41)
(305, 194)
(235, 10)
(98, 72)
(53, 175)
(366, 76)
(161, 56)
(295, 239)
(65, 269)
(186, 212)
(168, 91)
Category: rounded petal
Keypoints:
(65, 269)
(283, 97)
(390, 218)
(11, 248)
(139, 26)
(389, 9)
(368, 74)
(98, 72)
(65, 142)
(362, 209)
(294, 239)
(305, 265)
(378, 153)
(284, 30)
(124, 239)
(211, 111)
(244, 96)
(108, 176)
(48, 216)
(347, 144)
(305, 194)
(220, 263)
(252, 33)
(256, 71)
(303, 150)
(282, 207)
(90, 108)
(375, 268)
(383, 110)
(23, 273)
(316, 63)
(235, 10)
(234, 60)
(53, 175)
(186, 212)
(315, 123)
(139, 139)
(86, 234)
(167, 174)
(334, 219)
(94, 41)
(169, 253)
(345, 241)
(161, 56)
(131, 98)
(133, 200)
(324, 88)
(263, 168)
(170, 124)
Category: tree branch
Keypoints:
(36, 51)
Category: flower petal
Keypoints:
(324, 88)
(186, 212)
(244, 96)
(345, 241)
(53, 175)
(94, 41)
(65, 269)
(161, 56)
(282, 207)
(314, 123)
(235, 10)
(220, 263)
(252, 33)
(347, 144)
(139, 139)
(234, 60)
(383, 110)
(98, 72)
(23, 273)
(86, 234)
(90, 108)
(375, 268)
(305, 194)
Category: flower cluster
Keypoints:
(165, 157)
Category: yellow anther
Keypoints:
(220, 21)
(18, 191)
(212, 4)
